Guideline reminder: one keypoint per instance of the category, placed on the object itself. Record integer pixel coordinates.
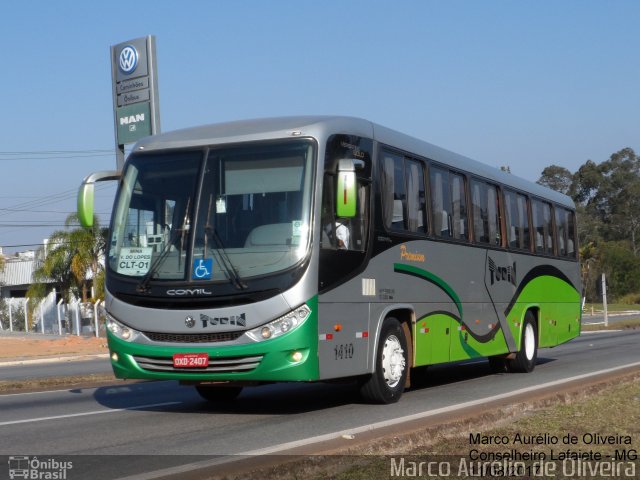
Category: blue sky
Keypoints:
(519, 83)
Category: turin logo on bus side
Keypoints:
(502, 274)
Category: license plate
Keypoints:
(190, 360)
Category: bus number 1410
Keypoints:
(343, 351)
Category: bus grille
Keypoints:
(193, 337)
(216, 365)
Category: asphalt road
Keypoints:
(156, 425)
(29, 371)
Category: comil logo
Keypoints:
(128, 60)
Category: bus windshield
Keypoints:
(219, 215)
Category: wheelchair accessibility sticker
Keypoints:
(202, 269)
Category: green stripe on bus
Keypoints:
(430, 277)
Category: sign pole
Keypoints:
(135, 93)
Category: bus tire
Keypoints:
(525, 360)
(218, 394)
(386, 383)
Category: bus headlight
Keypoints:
(281, 325)
(120, 330)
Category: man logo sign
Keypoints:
(128, 60)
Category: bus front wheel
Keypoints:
(387, 382)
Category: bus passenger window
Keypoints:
(416, 201)
(571, 234)
(541, 212)
(517, 220)
(493, 209)
(561, 231)
(480, 224)
(459, 207)
(440, 202)
(403, 194)
(393, 192)
(566, 232)
(484, 201)
(523, 216)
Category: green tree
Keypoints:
(88, 247)
(621, 197)
(607, 197)
(557, 178)
(72, 255)
(621, 268)
(586, 182)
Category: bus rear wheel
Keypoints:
(218, 394)
(387, 382)
(527, 356)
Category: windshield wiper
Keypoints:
(225, 261)
(143, 286)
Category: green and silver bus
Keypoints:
(313, 249)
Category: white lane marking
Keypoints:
(284, 447)
(589, 332)
(95, 412)
(65, 390)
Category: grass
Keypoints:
(612, 415)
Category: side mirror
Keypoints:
(86, 195)
(346, 190)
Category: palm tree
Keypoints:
(72, 256)
(88, 246)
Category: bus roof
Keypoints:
(318, 126)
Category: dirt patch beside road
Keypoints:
(40, 346)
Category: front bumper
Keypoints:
(269, 360)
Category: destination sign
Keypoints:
(134, 261)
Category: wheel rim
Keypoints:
(393, 362)
(529, 341)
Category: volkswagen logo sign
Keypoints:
(128, 60)
(189, 322)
